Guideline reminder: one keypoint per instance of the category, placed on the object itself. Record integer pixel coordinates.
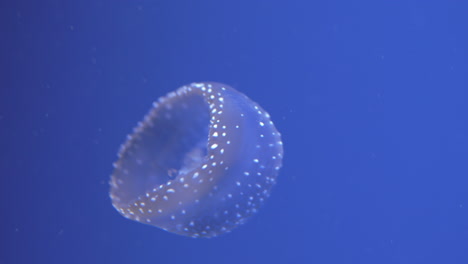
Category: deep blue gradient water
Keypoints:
(371, 98)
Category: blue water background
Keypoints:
(371, 98)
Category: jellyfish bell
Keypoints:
(201, 162)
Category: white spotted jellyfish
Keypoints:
(201, 162)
